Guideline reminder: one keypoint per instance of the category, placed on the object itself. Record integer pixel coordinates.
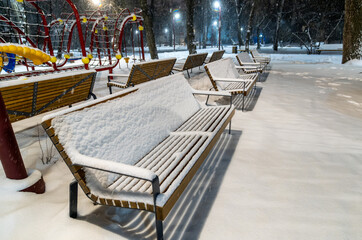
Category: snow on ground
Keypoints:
(291, 169)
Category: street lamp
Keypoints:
(217, 7)
(176, 16)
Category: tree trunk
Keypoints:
(248, 33)
(147, 12)
(238, 8)
(352, 32)
(279, 18)
(258, 37)
(206, 22)
(190, 4)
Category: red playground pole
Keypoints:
(10, 155)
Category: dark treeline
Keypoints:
(278, 22)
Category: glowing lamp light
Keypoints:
(166, 30)
(217, 4)
(214, 23)
(177, 16)
(96, 2)
(241, 29)
(261, 35)
(136, 31)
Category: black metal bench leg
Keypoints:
(230, 127)
(110, 90)
(242, 109)
(73, 199)
(188, 74)
(159, 228)
(93, 95)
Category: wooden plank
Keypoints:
(162, 212)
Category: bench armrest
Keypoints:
(247, 67)
(211, 93)
(118, 75)
(231, 80)
(112, 167)
(250, 64)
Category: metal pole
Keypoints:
(10, 155)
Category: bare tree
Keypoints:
(250, 22)
(147, 12)
(190, 4)
(205, 12)
(352, 33)
(277, 27)
(239, 7)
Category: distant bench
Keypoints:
(192, 61)
(217, 55)
(141, 72)
(27, 98)
(161, 135)
(319, 51)
(224, 76)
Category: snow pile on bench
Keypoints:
(125, 129)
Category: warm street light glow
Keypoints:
(217, 4)
(96, 2)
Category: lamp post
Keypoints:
(176, 16)
(217, 7)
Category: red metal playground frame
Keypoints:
(96, 18)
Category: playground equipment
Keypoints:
(42, 36)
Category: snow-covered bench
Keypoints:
(192, 61)
(258, 57)
(141, 72)
(138, 148)
(249, 64)
(217, 55)
(43, 93)
(320, 50)
(224, 76)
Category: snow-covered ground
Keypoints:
(291, 169)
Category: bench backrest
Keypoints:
(194, 60)
(146, 71)
(27, 98)
(217, 55)
(244, 57)
(223, 68)
(255, 53)
(127, 127)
